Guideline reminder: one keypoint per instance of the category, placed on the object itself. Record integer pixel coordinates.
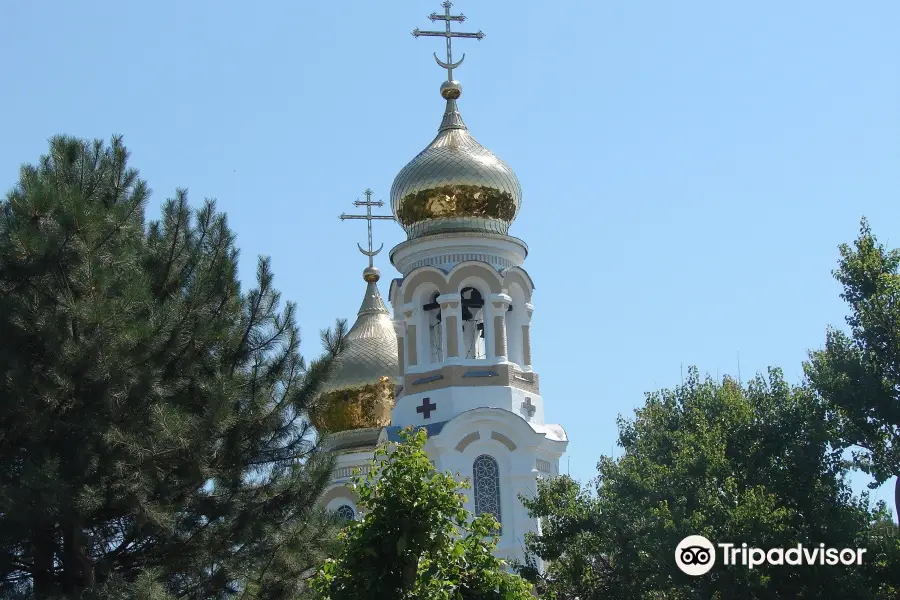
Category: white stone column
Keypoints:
(526, 338)
(411, 317)
(499, 305)
(451, 327)
(400, 330)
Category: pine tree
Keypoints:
(153, 438)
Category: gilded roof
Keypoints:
(371, 350)
(455, 184)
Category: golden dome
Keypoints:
(360, 391)
(359, 407)
(455, 184)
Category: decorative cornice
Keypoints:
(529, 307)
(503, 374)
(411, 310)
(352, 439)
(442, 251)
(500, 301)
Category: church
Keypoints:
(453, 353)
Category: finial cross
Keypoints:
(448, 18)
(369, 217)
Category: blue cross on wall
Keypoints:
(426, 408)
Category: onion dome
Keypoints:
(455, 184)
(360, 391)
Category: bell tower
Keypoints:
(463, 307)
(462, 312)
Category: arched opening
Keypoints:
(472, 302)
(429, 329)
(486, 478)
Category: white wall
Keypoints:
(517, 467)
(453, 401)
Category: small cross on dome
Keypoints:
(370, 273)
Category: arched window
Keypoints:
(345, 513)
(486, 475)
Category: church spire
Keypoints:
(372, 303)
(454, 185)
(359, 393)
(452, 119)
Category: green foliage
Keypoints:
(735, 464)
(152, 430)
(859, 374)
(415, 539)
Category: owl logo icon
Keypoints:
(695, 555)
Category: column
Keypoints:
(400, 330)
(411, 316)
(526, 338)
(500, 304)
(451, 323)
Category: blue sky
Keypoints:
(688, 169)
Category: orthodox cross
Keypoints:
(528, 407)
(426, 408)
(368, 217)
(448, 18)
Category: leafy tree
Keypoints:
(152, 431)
(859, 374)
(415, 539)
(735, 464)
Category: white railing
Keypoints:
(545, 466)
(345, 472)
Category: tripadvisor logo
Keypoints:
(695, 555)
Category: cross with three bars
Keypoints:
(369, 217)
(448, 18)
